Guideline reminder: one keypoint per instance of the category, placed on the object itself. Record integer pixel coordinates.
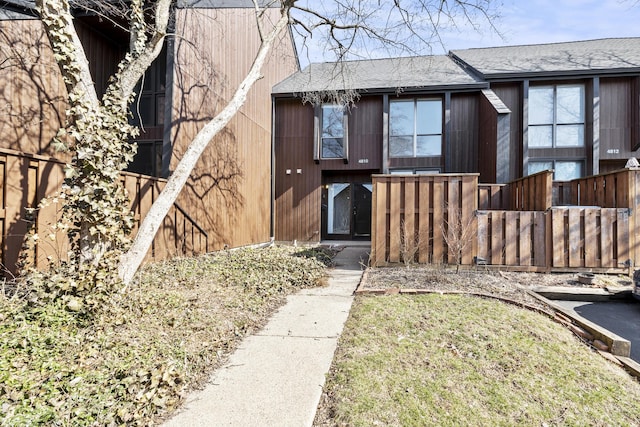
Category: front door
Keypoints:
(347, 210)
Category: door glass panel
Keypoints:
(535, 167)
(339, 209)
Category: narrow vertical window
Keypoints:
(333, 132)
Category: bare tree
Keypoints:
(349, 29)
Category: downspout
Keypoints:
(272, 224)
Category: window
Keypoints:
(415, 128)
(556, 116)
(333, 132)
(564, 170)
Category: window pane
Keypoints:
(401, 118)
(332, 121)
(430, 145)
(535, 167)
(332, 148)
(570, 136)
(339, 209)
(401, 146)
(540, 105)
(540, 136)
(570, 104)
(429, 117)
(566, 171)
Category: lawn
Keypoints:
(455, 360)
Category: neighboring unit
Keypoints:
(503, 113)
(227, 200)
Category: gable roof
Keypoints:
(604, 56)
(380, 75)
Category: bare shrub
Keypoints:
(458, 232)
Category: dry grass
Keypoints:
(456, 360)
(132, 364)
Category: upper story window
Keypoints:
(415, 128)
(556, 116)
(333, 141)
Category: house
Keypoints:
(503, 113)
(227, 200)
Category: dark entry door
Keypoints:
(346, 210)
(362, 210)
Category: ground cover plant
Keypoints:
(131, 362)
(458, 360)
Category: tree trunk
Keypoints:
(130, 261)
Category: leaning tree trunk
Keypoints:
(130, 261)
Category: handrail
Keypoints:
(194, 224)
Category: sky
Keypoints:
(538, 21)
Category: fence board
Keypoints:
(623, 237)
(524, 238)
(467, 209)
(591, 240)
(511, 236)
(438, 220)
(483, 236)
(394, 220)
(497, 237)
(558, 237)
(424, 224)
(607, 221)
(574, 238)
(409, 238)
(380, 225)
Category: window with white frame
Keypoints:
(333, 144)
(415, 128)
(556, 116)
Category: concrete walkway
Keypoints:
(275, 377)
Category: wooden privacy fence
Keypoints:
(27, 179)
(452, 219)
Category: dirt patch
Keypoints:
(505, 285)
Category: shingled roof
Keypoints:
(380, 75)
(603, 56)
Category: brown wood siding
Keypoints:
(297, 195)
(488, 134)
(32, 94)
(511, 95)
(229, 192)
(616, 121)
(103, 55)
(464, 133)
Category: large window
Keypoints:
(556, 116)
(333, 132)
(415, 128)
(564, 170)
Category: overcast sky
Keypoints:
(541, 21)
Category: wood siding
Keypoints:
(229, 193)
(464, 134)
(511, 95)
(297, 195)
(616, 118)
(487, 141)
(298, 178)
(32, 94)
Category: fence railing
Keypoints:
(27, 179)
(453, 219)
